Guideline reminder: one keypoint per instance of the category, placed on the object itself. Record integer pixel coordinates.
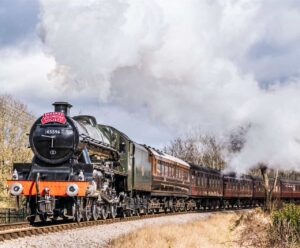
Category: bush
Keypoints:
(286, 225)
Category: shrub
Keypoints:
(286, 225)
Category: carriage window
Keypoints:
(158, 169)
(186, 177)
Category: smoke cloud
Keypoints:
(190, 64)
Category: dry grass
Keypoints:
(252, 230)
(247, 229)
(213, 232)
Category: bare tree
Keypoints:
(15, 122)
(198, 149)
(269, 188)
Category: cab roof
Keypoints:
(166, 157)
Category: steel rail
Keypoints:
(4, 227)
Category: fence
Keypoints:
(10, 215)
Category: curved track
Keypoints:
(35, 230)
(28, 230)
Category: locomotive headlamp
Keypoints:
(72, 189)
(15, 175)
(46, 191)
(81, 176)
(16, 189)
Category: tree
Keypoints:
(198, 149)
(269, 188)
(15, 122)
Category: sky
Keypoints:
(25, 72)
(159, 69)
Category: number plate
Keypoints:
(53, 131)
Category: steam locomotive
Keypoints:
(83, 170)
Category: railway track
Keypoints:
(6, 227)
(20, 230)
(17, 232)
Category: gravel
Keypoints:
(97, 236)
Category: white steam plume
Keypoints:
(189, 64)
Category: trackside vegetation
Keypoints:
(286, 226)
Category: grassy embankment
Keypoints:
(213, 231)
(249, 229)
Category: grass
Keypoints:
(213, 232)
(248, 229)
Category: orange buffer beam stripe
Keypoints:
(57, 188)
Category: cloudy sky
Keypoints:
(26, 68)
(156, 69)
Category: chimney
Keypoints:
(63, 107)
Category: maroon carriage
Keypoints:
(290, 190)
(237, 191)
(206, 186)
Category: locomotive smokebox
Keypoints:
(63, 107)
